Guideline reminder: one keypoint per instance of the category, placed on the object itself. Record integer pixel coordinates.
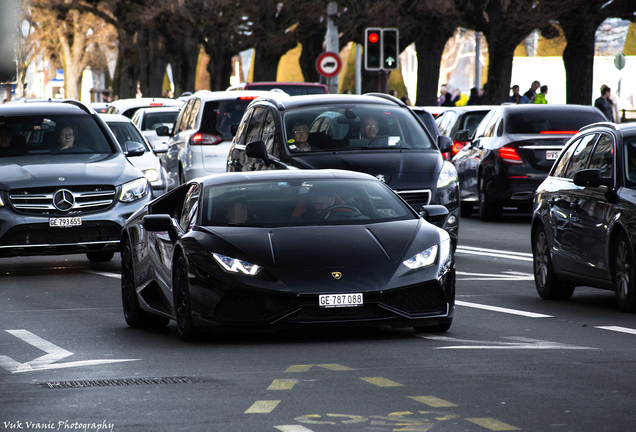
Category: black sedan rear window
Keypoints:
(550, 121)
(310, 202)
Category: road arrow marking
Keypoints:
(45, 362)
(521, 343)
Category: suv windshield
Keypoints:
(353, 127)
(218, 116)
(307, 202)
(51, 134)
(549, 121)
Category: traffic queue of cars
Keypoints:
(215, 248)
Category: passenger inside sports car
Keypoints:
(238, 213)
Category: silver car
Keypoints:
(148, 163)
(200, 140)
(149, 119)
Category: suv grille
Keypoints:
(416, 198)
(56, 200)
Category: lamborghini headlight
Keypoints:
(234, 265)
(447, 175)
(422, 259)
(134, 190)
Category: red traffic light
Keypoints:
(373, 37)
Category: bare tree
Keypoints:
(579, 23)
(505, 24)
(26, 45)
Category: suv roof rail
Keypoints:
(387, 97)
(78, 104)
(604, 124)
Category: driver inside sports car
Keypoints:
(317, 204)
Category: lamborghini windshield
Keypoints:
(306, 202)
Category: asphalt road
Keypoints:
(511, 361)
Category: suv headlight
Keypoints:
(152, 175)
(447, 175)
(134, 190)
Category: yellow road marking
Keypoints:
(433, 401)
(282, 384)
(401, 413)
(299, 368)
(419, 428)
(330, 366)
(492, 424)
(381, 382)
(262, 407)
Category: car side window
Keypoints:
(447, 123)
(240, 132)
(189, 209)
(255, 128)
(492, 123)
(562, 165)
(269, 134)
(579, 158)
(479, 132)
(182, 121)
(603, 156)
(192, 119)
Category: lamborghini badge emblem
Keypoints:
(336, 275)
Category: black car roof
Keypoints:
(309, 100)
(541, 107)
(284, 175)
(43, 108)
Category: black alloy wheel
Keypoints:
(623, 275)
(546, 282)
(183, 309)
(134, 315)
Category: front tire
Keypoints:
(134, 315)
(183, 307)
(623, 274)
(548, 285)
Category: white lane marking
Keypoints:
(521, 343)
(520, 256)
(506, 276)
(618, 329)
(500, 309)
(293, 428)
(107, 274)
(45, 362)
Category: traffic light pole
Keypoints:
(383, 81)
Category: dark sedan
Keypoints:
(584, 222)
(278, 249)
(511, 153)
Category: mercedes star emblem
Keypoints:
(63, 200)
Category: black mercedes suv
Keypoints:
(66, 187)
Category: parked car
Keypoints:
(128, 107)
(148, 163)
(200, 140)
(230, 251)
(429, 121)
(511, 152)
(291, 88)
(66, 186)
(435, 110)
(376, 134)
(148, 120)
(455, 119)
(584, 223)
(100, 107)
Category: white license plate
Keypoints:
(340, 300)
(552, 154)
(65, 222)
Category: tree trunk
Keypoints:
(429, 47)
(126, 73)
(72, 81)
(312, 48)
(265, 65)
(184, 65)
(499, 72)
(578, 58)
